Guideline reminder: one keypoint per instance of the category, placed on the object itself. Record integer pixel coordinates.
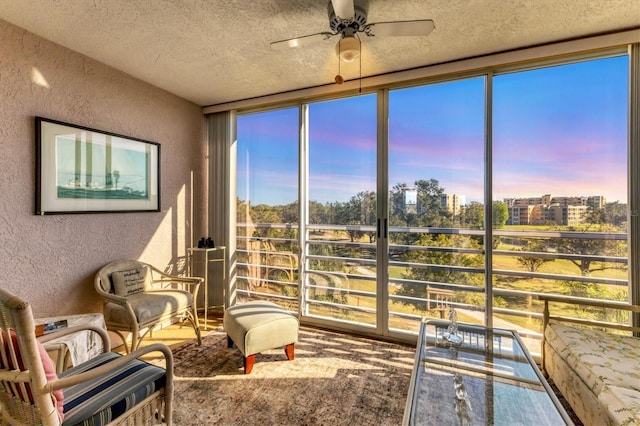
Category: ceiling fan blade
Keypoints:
(421, 27)
(301, 41)
(344, 9)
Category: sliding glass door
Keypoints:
(339, 279)
(436, 202)
(560, 175)
(267, 219)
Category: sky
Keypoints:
(558, 130)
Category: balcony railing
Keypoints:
(339, 275)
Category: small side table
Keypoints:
(75, 348)
(205, 257)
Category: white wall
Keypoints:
(51, 260)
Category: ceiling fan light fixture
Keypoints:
(348, 48)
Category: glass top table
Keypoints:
(485, 378)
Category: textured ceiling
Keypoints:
(215, 51)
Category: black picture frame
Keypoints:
(85, 170)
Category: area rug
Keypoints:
(335, 379)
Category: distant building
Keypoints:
(525, 215)
(453, 203)
(567, 215)
(548, 209)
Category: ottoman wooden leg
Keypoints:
(289, 351)
(229, 342)
(248, 363)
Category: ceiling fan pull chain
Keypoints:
(339, 79)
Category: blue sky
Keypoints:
(560, 130)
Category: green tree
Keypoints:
(500, 214)
(590, 246)
(530, 262)
(317, 212)
(430, 209)
(290, 213)
(616, 214)
(397, 213)
(611, 214)
(473, 215)
(360, 210)
(436, 265)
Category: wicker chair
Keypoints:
(110, 388)
(138, 296)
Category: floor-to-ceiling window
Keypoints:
(560, 185)
(436, 202)
(267, 207)
(548, 145)
(339, 280)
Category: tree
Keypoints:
(616, 214)
(612, 214)
(290, 213)
(530, 262)
(589, 247)
(397, 212)
(430, 209)
(317, 212)
(361, 210)
(500, 214)
(595, 216)
(440, 262)
(473, 215)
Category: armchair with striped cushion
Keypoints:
(108, 389)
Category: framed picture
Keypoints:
(83, 170)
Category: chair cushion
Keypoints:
(131, 281)
(599, 358)
(149, 306)
(622, 404)
(103, 399)
(49, 371)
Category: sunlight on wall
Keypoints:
(182, 222)
(159, 248)
(38, 78)
(168, 245)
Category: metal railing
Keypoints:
(332, 292)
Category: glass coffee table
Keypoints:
(481, 376)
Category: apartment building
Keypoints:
(547, 209)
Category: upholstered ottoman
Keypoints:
(259, 326)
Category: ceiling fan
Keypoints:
(347, 18)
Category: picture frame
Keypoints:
(85, 170)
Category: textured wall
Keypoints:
(51, 260)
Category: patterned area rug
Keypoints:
(335, 379)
